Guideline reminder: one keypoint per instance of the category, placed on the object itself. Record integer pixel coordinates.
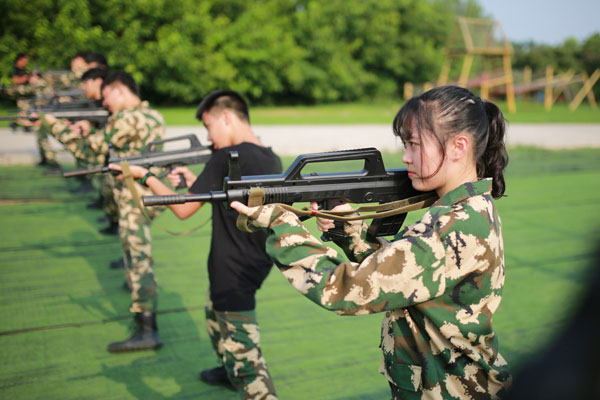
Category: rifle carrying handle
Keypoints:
(371, 156)
(193, 139)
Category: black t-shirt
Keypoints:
(237, 262)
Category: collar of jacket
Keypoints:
(466, 190)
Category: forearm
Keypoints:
(182, 211)
(355, 244)
(386, 279)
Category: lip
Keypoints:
(411, 174)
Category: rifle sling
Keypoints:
(256, 196)
(128, 179)
(374, 211)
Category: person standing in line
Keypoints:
(237, 262)
(131, 126)
(440, 281)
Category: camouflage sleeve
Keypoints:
(129, 132)
(355, 243)
(402, 273)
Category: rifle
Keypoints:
(149, 157)
(72, 110)
(373, 184)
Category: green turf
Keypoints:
(60, 305)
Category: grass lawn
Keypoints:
(377, 112)
(380, 112)
(60, 304)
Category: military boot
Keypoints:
(111, 229)
(145, 338)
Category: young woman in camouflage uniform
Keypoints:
(440, 281)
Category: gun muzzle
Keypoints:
(183, 198)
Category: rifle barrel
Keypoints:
(86, 172)
(184, 198)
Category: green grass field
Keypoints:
(60, 304)
(376, 112)
(382, 112)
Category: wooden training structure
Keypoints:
(556, 85)
(483, 39)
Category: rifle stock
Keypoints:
(373, 184)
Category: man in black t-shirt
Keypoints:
(237, 262)
(19, 73)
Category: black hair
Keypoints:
(19, 56)
(94, 73)
(97, 58)
(221, 99)
(448, 110)
(123, 78)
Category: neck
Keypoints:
(462, 176)
(244, 134)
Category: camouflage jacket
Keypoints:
(128, 131)
(438, 283)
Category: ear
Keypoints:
(227, 116)
(459, 147)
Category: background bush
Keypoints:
(273, 51)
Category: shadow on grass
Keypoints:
(169, 372)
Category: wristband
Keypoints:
(145, 178)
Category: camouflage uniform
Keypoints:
(235, 339)
(87, 157)
(49, 85)
(439, 284)
(129, 131)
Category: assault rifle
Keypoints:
(149, 157)
(373, 184)
(72, 110)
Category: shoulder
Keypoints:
(151, 113)
(473, 215)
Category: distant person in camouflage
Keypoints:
(440, 281)
(50, 83)
(71, 137)
(19, 74)
(129, 129)
(237, 262)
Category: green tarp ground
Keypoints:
(60, 303)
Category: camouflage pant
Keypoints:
(235, 339)
(109, 206)
(47, 154)
(134, 231)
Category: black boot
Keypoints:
(216, 376)
(112, 229)
(117, 264)
(145, 338)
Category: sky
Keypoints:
(545, 21)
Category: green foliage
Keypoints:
(272, 51)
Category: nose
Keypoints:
(406, 157)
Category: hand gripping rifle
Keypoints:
(373, 184)
(76, 110)
(149, 157)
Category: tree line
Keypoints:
(273, 51)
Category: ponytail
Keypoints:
(494, 158)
